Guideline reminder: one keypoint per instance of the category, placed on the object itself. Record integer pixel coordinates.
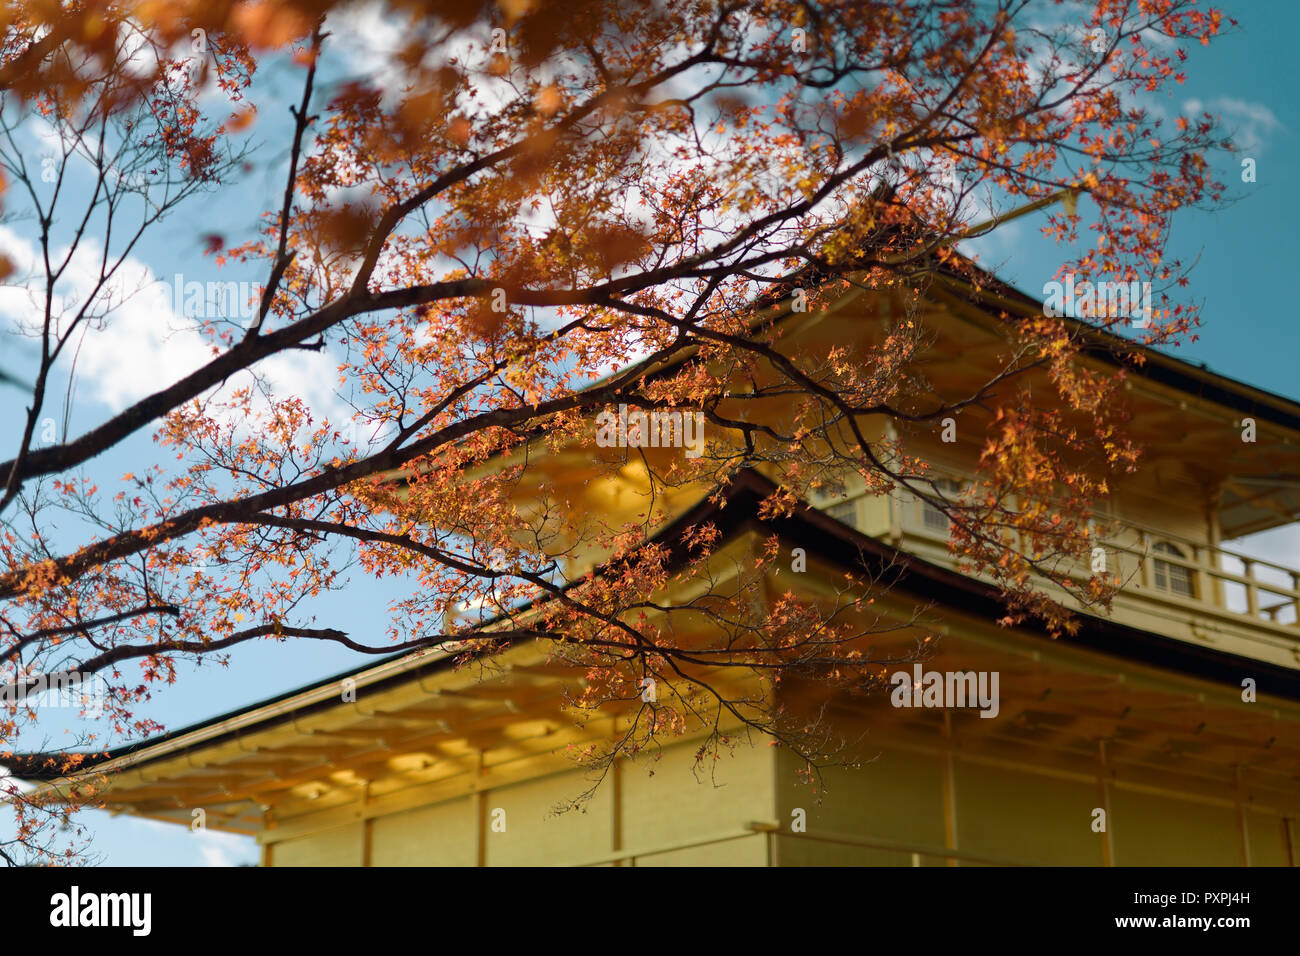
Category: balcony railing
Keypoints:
(1149, 561)
(1223, 578)
(908, 854)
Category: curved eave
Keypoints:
(821, 535)
(967, 291)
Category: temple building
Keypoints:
(1165, 733)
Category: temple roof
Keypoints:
(393, 694)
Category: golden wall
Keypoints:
(904, 806)
(651, 808)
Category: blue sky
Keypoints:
(1246, 250)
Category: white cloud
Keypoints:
(367, 35)
(1250, 124)
(7, 779)
(141, 343)
(223, 849)
(1279, 545)
(214, 847)
(994, 248)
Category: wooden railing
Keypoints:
(1220, 578)
(1260, 589)
(912, 854)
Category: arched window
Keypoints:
(931, 517)
(1174, 578)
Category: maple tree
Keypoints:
(556, 200)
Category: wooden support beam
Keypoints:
(949, 792)
(1103, 786)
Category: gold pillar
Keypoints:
(949, 791)
(1103, 785)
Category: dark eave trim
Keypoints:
(829, 540)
